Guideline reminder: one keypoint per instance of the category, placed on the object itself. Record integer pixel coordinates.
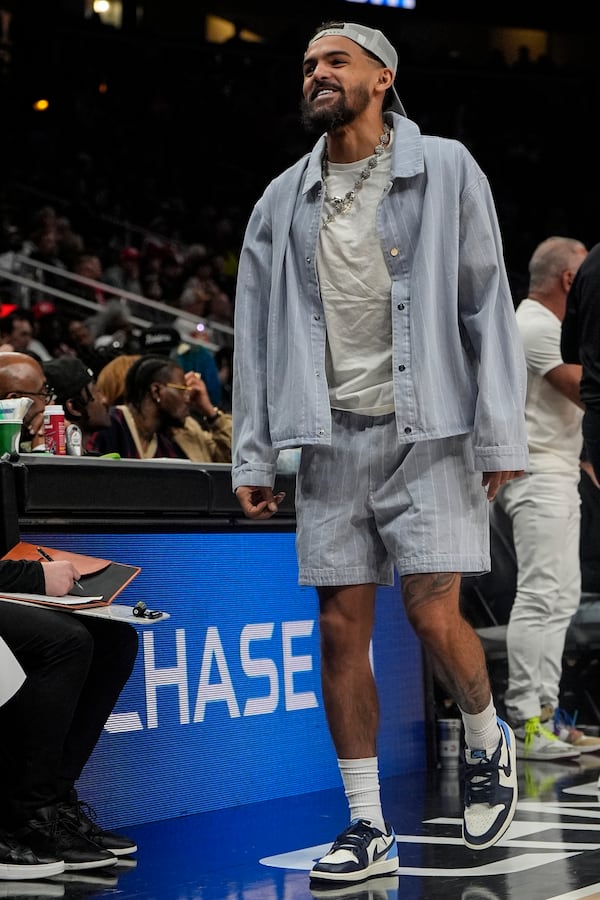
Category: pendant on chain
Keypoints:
(344, 204)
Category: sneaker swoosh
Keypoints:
(507, 769)
(379, 853)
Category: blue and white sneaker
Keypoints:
(359, 852)
(490, 792)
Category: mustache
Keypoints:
(325, 86)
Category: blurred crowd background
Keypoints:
(135, 142)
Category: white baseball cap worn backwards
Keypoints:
(376, 43)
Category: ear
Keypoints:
(73, 409)
(566, 280)
(385, 80)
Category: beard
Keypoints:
(334, 115)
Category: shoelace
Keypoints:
(354, 837)
(481, 779)
(54, 827)
(534, 727)
(86, 812)
(562, 717)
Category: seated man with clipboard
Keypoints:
(75, 669)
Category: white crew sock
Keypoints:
(481, 729)
(361, 784)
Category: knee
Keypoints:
(342, 635)
(76, 641)
(431, 625)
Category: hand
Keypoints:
(199, 394)
(36, 429)
(491, 481)
(60, 576)
(259, 502)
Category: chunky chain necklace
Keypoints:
(344, 204)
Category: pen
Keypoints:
(48, 558)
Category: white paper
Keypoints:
(12, 675)
(68, 600)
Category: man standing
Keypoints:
(375, 329)
(544, 507)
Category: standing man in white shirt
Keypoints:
(544, 506)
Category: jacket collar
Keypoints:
(407, 152)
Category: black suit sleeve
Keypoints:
(25, 575)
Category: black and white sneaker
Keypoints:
(18, 862)
(50, 833)
(83, 819)
(359, 852)
(490, 791)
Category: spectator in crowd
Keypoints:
(125, 273)
(17, 330)
(88, 265)
(375, 329)
(156, 421)
(202, 294)
(74, 387)
(70, 243)
(580, 344)
(22, 376)
(544, 508)
(161, 271)
(196, 358)
(165, 340)
(43, 248)
(75, 668)
(111, 380)
(80, 339)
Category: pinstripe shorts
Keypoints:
(367, 504)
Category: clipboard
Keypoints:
(101, 579)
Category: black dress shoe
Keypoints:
(50, 832)
(18, 862)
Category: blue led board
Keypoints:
(224, 705)
(399, 4)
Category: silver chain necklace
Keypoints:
(344, 204)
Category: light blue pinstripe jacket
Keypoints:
(458, 362)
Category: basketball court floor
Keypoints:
(264, 851)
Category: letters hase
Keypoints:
(215, 682)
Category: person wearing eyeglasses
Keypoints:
(22, 376)
(167, 413)
(74, 387)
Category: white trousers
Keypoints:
(545, 512)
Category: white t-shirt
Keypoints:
(553, 421)
(356, 292)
